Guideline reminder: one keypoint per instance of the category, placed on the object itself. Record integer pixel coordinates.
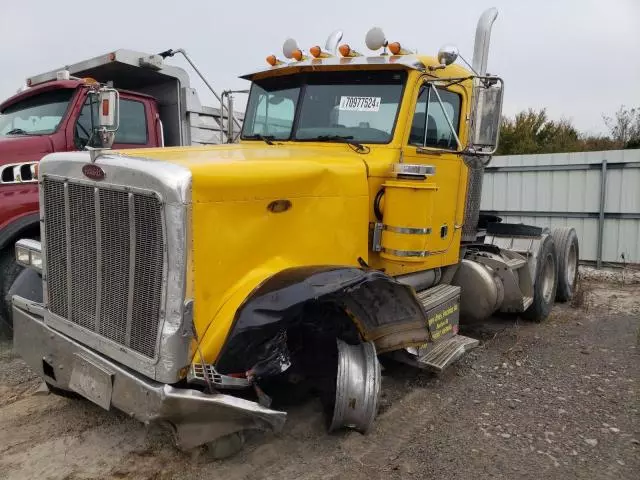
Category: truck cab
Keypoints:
(56, 112)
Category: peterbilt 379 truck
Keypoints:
(191, 285)
(55, 112)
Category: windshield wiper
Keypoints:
(348, 139)
(17, 131)
(268, 139)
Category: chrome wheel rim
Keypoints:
(548, 278)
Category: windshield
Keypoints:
(360, 106)
(38, 115)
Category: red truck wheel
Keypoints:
(9, 271)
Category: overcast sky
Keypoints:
(577, 58)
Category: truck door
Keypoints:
(430, 130)
(137, 123)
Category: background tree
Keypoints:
(531, 131)
(624, 127)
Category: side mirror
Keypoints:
(107, 101)
(485, 127)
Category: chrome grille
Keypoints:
(112, 243)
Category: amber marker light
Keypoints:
(345, 50)
(395, 48)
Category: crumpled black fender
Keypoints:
(376, 302)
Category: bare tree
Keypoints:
(624, 126)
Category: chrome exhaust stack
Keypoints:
(476, 164)
(483, 36)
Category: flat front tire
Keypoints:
(544, 289)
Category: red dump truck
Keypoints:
(56, 112)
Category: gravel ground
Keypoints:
(555, 400)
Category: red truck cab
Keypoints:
(54, 116)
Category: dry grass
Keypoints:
(582, 294)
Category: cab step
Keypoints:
(444, 353)
(435, 296)
(442, 308)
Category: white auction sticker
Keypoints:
(360, 104)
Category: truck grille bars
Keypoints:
(104, 261)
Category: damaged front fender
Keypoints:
(380, 309)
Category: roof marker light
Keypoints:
(274, 61)
(298, 56)
(317, 52)
(396, 49)
(346, 51)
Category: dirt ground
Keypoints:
(555, 400)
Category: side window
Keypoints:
(430, 127)
(133, 123)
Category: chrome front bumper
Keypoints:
(195, 417)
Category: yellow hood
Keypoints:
(245, 172)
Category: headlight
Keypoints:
(29, 254)
(36, 260)
(22, 256)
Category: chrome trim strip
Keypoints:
(407, 230)
(132, 267)
(43, 242)
(411, 253)
(67, 232)
(96, 203)
(406, 253)
(413, 170)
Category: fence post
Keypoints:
(603, 194)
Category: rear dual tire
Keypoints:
(545, 286)
(568, 252)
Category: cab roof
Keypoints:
(407, 62)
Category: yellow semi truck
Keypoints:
(187, 285)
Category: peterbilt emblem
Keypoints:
(94, 172)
